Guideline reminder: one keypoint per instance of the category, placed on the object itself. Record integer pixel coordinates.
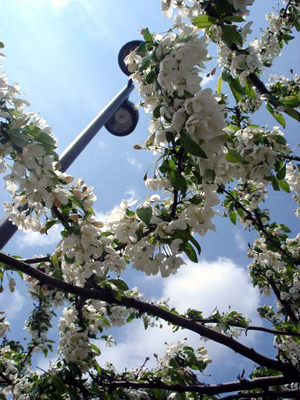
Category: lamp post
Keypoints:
(119, 117)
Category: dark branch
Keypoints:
(243, 384)
(249, 328)
(286, 9)
(59, 215)
(36, 260)
(291, 158)
(268, 394)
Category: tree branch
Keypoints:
(143, 307)
(243, 384)
(249, 328)
(36, 260)
(269, 394)
(59, 215)
(291, 158)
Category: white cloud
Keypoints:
(133, 161)
(209, 284)
(101, 216)
(240, 240)
(57, 4)
(35, 239)
(11, 303)
(100, 145)
(132, 196)
(202, 286)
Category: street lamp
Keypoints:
(119, 117)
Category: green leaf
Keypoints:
(54, 261)
(233, 128)
(226, 76)
(96, 349)
(275, 184)
(219, 86)
(73, 393)
(142, 49)
(50, 223)
(186, 236)
(235, 84)
(190, 146)
(236, 88)
(234, 157)
(150, 77)
(188, 249)
(145, 64)
(279, 117)
(210, 175)
(280, 139)
(233, 18)
(45, 140)
(231, 36)
(146, 324)
(56, 396)
(144, 212)
(286, 37)
(281, 173)
(156, 112)
(203, 21)
(293, 113)
(1, 45)
(120, 284)
(249, 90)
(291, 101)
(147, 35)
(235, 93)
(58, 384)
(284, 185)
(232, 216)
(18, 138)
(178, 181)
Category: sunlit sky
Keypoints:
(63, 53)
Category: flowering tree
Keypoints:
(208, 154)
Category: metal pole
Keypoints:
(82, 140)
(69, 155)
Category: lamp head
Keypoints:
(124, 120)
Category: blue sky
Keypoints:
(63, 53)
